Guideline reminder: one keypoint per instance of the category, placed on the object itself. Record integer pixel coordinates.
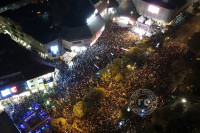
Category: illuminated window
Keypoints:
(153, 9)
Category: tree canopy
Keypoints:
(90, 102)
(59, 125)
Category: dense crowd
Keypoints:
(74, 81)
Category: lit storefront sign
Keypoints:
(54, 49)
(13, 89)
(5, 92)
(9, 91)
(153, 9)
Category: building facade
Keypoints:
(161, 12)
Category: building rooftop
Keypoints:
(71, 34)
(95, 1)
(6, 124)
(77, 12)
(34, 21)
(7, 2)
(169, 4)
(113, 3)
(15, 59)
(43, 21)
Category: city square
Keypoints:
(137, 74)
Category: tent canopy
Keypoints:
(149, 22)
(141, 19)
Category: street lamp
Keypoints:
(131, 13)
(183, 100)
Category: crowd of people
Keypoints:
(74, 81)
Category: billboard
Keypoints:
(8, 91)
(153, 9)
(5, 92)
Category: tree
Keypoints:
(154, 128)
(179, 66)
(113, 69)
(59, 125)
(191, 83)
(118, 77)
(94, 97)
(135, 55)
(178, 73)
(125, 60)
(133, 52)
(166, 120)
(193, 44)
(104, 75)
(118, 62)
(90, 102)
(178, 108)
(188, 122)
(80, 109)
(163, 116)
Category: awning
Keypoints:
(149, 22)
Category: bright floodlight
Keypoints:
(96, 11)
(54, 49)
(183, 100)
(91, 18)
(153, 9)
(128, 109)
